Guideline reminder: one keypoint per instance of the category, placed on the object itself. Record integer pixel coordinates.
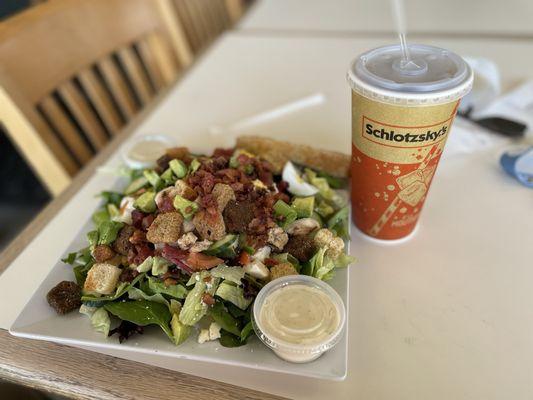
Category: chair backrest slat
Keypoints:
(82, 112)
(100, 99)
(65, 128)
(118, 86)
(136, 74)
(151, 64)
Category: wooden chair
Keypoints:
(204, 20)
(73, 72)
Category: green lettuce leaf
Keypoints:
(142, 312)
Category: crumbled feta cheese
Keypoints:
(214, 331)
(200, 246)
(187, 240)
(203, 336)
(277, 237)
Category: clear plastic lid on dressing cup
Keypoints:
(432, 76)
(298, 331)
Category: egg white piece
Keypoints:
(297, 186)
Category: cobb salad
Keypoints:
(188, 244)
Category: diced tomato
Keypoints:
(270, 262)
(208, 299)
(244, 258)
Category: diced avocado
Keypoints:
(154, 179)
(168, 177)
(195, 164)
(186, 207)
(304, 206)
(135, 185)
(178, 167)
(225, 247)
(146, 202)
(324, 209)
(180, 331)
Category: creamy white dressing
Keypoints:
(299, 314)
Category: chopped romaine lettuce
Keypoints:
(111, 198)
(137, 294)
(338, 223)
(285, 212)
(194, 308)
(234, 294)
(160, 266)
(233, 274)
(100, 216)
(100, 321)
(176, 291)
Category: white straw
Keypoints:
(398, 9)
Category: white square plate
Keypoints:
(39, 321)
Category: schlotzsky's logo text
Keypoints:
(404, 136)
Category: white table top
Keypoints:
(453, 17)
(444, 316)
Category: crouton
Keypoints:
(102, 252)
(210, 226)
(325, 238)
(122, 243)
(277, 237)
(282, 269)
(184, 190)
(302, 247)
(223, 194)
(64, 297)
(166, 228)
(278, 152)
(102, 278)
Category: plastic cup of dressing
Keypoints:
(298, 317)
(144, 151)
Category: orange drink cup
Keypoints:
(401, 117)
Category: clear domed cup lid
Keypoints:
(431, 76)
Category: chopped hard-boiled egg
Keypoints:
(297, 186)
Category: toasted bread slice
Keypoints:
(278, 152)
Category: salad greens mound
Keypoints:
(187, 245)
